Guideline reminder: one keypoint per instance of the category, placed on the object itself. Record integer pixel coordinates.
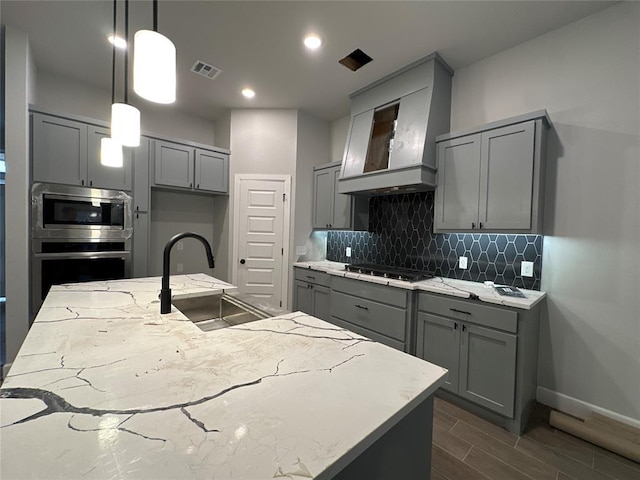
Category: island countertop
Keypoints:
(106, 387)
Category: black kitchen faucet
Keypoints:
(165, 293)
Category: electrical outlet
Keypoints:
(526, 269)
(301, 250)
(180, 245)
(180, 268)
(348, 253)
(462, 263)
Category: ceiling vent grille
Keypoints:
(206, 70)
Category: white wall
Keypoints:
(339, 131)
(69, 96)
(20, 77)
(587, 76)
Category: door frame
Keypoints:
(286, 226)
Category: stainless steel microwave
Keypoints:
(62, 211)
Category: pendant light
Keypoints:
(125, 118)
(154, 64)
(110, 150)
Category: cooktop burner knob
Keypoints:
(359, 270)
(399, 277)
(386, 275)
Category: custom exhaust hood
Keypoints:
(394, 121)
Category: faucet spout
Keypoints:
(165, 293)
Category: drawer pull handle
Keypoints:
(312, 278)
(459, 311)
(363, 308)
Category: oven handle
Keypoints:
(89, 255)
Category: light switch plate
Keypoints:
(348, 253)
(526, 269)
(462, 263)
(301, 250)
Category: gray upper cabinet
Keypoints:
(184, 166)
(113, 178)
(211, 171)
(174, 164)
(331, 210)
(493, 180)
(68, 151)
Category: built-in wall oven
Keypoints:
(79, 234)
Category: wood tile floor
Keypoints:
(466, 447)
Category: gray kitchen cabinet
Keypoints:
(380, 312)
(211, 171)
(140, 244)
(67, 151)
(492, 180)
(491, 353)
(188, 167)
(333, 210)
(173, 164)
(311, 292)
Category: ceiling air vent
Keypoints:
(355, 60)
(205, 70)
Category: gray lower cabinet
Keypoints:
(67, 151)
(187, 167)
(379, 312)
(491, 353)
(312, 293)
(491, 179)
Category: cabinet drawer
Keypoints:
(469, 311)
(371, 291)
(312, 276)
(384, 319)
(369, 334)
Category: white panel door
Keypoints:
(261, 226)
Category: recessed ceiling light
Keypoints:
(312, 41)
(117, 41)
(248, 93)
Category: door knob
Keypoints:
(242, 261)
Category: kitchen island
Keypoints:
(106, 387)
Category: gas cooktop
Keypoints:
(387, 271)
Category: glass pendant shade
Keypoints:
(154, 67)
(125, 124)
(110, 153)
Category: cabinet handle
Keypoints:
(191, 185)
(312, 278)
(82, 182)
(91, 183)
(198, 186)
(473, 224)
(361, 307)
(460, 311)
(330, 225)
(463, 327)
(455, 325)
(480, 224)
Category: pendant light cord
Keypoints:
(155, 15)
(126, 52)
(113, 57)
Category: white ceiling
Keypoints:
(259, 43)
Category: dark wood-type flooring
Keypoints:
(466, 447)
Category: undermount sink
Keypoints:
(213, 312)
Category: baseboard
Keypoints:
(578, 408)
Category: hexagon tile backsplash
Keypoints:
(401, 234)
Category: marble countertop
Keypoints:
(446, 286)
(106, 387)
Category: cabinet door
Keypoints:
(111, 178)
(140, 245)
(438, 341)
(174, 164)
(341, 205)
(212, 171)
(321, 306)
(140, 159)
(456, 205)
(302, 297)
(506, 177)
(59, 149)
(488, 368)
(323, 181)
(358, 143)
(411, 129)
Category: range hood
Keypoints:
(394, 122)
